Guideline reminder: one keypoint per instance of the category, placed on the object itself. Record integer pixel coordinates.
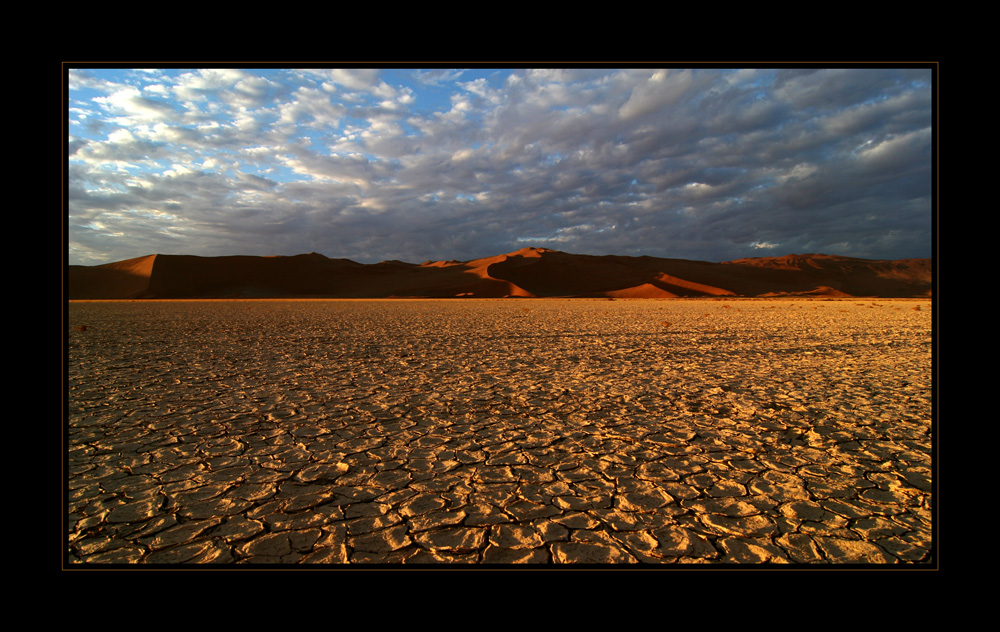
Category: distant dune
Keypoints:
(530, 272)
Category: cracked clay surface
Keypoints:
(640, 432)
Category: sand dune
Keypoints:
(646, 290)
(529, 272)
(122, 279)
(687, 288)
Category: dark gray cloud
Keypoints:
(695, 163)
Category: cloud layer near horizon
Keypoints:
(376, 164)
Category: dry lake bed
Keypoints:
(537, 432)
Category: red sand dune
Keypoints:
(122, 279)
(529, 272)
(646, 290)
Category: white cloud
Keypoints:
(663, 88)
(896, 150)
(354, 79)
(310, 107)
(129, 104)
(201, 84)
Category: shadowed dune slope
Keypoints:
(184, 276)
(122, 279)
(529, 272)
(798, 274)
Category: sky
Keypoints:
(418, 164)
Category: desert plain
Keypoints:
(534, 432)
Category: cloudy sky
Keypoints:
(417, 164)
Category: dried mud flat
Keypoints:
(500, 432)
